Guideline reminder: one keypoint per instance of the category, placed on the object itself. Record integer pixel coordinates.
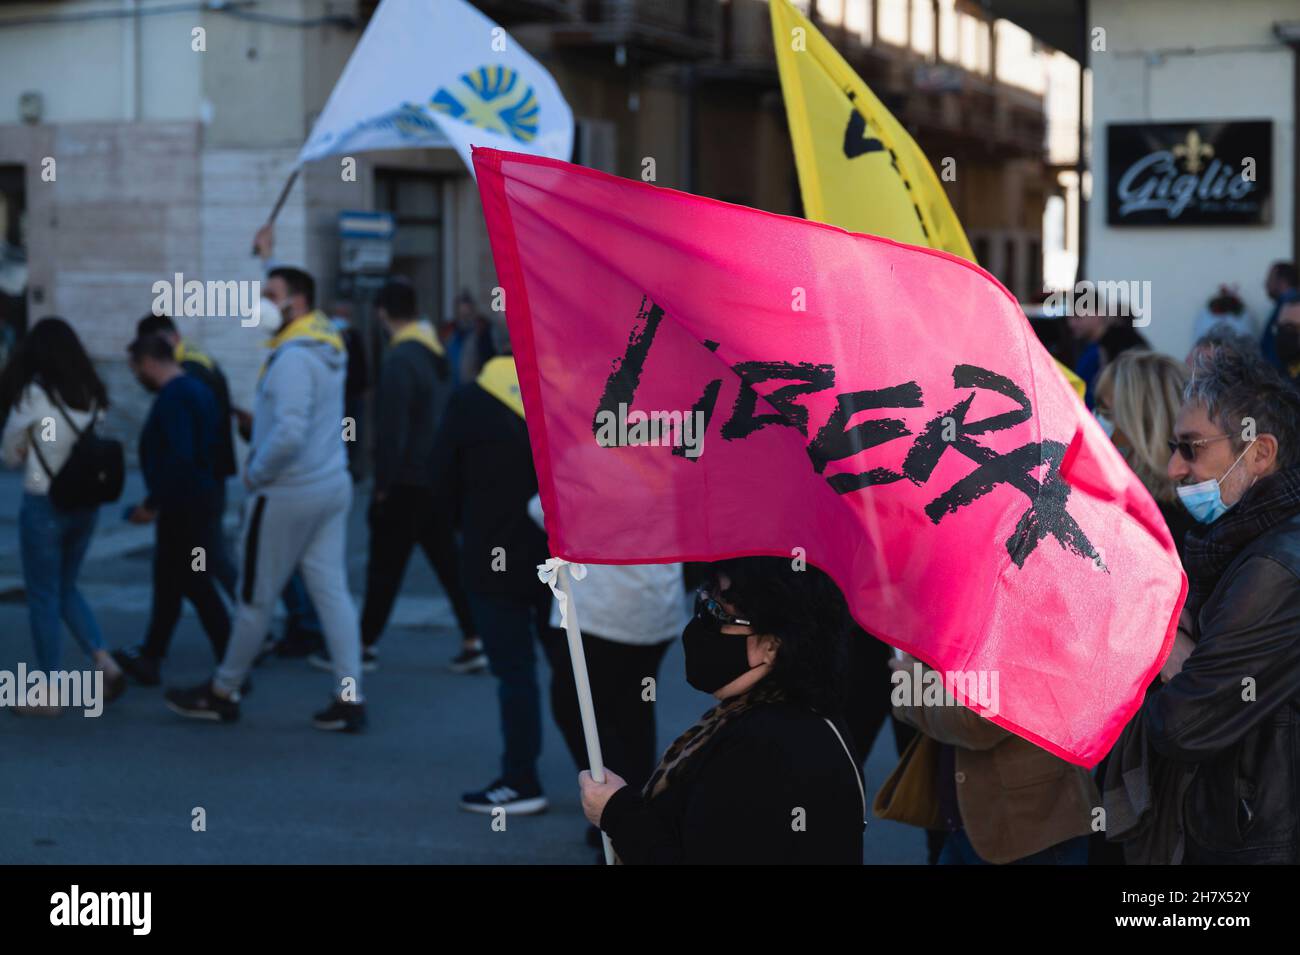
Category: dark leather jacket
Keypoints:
(1234, 709)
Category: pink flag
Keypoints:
(703, 381)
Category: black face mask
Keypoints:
(713, 658)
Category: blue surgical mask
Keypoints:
(1204, 500)
(1106, 424)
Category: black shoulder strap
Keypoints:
(67, 416)
(36, 444)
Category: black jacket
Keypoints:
(485, 476)
(413, 387)
(1178, 520)
(215, 379)
(1234, 709)
(739, 805)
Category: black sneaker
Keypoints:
(369, 660)
(201, 703)
(341, 717)
(469, 661)
(144, 670)
(524, 801)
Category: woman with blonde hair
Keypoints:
(1138, 397)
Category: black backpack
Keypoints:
(94, 472)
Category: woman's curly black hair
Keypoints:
(806, 611)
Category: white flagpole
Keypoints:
(585, 705)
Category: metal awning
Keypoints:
(1058, 23)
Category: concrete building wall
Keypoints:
(1173, 60)
(169, 157)
(121, 213)
(101, 70)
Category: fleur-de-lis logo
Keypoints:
(492, 98)
(1192, 150)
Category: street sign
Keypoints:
(366, 242)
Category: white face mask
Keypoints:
(1106, 424)
(268, 317)
(1204, 500)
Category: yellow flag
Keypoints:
(858, 167)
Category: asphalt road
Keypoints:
(124, 787)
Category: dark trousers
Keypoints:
(625, 721)
(508, 627)
(959, 851)
(405, 517)
(174, 579)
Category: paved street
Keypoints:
(122, 788)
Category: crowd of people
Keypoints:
(1205, 772)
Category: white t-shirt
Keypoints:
(638, 604)
(36, 418)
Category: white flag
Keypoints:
(440, 73)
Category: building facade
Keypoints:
(1169, 76)
(145, 139)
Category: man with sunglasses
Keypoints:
(1230, 704)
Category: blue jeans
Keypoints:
(53, 545)
(509, 626)
(957, 850)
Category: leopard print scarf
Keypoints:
(676, 761)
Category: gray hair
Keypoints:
(1223, 335)
(1241, 392)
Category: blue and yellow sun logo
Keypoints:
(492, 98)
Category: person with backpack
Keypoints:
(51, 398)
(179, 455)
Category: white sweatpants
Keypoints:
(283, 529)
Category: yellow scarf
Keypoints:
(1074, 381)
(500, 379)
(186, 352)
(421, 332)
(313, 325)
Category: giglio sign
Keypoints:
(1194, 173)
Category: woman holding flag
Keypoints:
(766, 776)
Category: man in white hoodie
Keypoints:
(299, 497)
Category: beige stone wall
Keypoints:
(121, 213)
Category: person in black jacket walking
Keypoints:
(178, 455)
(1229, 713)
(414, 383)
(766, 776)
(194, 361)
(485, 472)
